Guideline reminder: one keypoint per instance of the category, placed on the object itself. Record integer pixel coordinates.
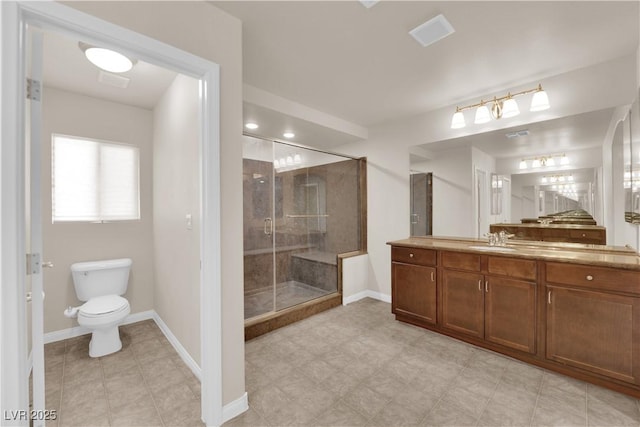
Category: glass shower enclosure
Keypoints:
(301, 209)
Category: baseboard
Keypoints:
(77, 331)
(235, 408)
(182, 352)
(366, 294)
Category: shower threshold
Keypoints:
(288, 294)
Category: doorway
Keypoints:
(16, 18)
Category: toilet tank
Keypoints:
(98, 278)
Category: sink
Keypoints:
(492, 248)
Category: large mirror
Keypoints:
(632, 165)
(550, 167)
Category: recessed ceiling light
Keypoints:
(433, 30)
(369, 3)
(288, 135)
(251, 125)
(106, 59)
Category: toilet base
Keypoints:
(105, 341)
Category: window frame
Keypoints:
(100, 217)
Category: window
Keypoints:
(93, 180)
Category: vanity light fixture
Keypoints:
(501, 107)
(556, 178)
(107, 59)
(544, 161)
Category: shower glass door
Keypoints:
(258, 192)
(301, 209)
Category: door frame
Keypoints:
(48, 14)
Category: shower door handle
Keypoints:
(268, 226)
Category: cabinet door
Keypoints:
(594, 331)
(510, 313)
(414, 291)
(463, 302)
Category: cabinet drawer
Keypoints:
(461, 261)
(512, 267)
(594, 277)
(587, 234)
(413, 255)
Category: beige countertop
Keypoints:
(606, 256)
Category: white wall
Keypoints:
(452, 192)
(176, 193)
(204, 30)
(65, 243)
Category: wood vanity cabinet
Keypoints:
(414, 290)
(554, 309)
(486, 297)
(593, 319)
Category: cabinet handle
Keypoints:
(589, 277)
(433, 279)
(486, 286)
(480, 285)
(410, 255)
(549, 297)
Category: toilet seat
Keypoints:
(100, 306)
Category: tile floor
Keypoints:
(357, 366)
(145, 384)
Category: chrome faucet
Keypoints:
(498, 239)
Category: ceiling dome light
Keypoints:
(107, 59)
(482, 115)
(251, 126)
(288, 135)
(540, 100)
(457, 121)
(510, 108)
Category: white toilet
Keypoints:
(100, 284)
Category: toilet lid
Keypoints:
(103, 305)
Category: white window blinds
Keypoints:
(94, 180)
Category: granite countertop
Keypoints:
(606, 256)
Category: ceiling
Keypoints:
(361, 64)
(65, 67)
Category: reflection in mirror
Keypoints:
(421, 204)
(496, 193)
(631, 149)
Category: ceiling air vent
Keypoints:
(113, 79)
(518, 133)
(433, 30)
